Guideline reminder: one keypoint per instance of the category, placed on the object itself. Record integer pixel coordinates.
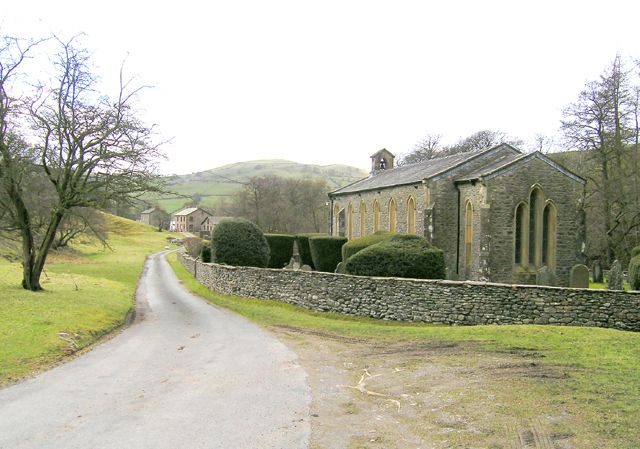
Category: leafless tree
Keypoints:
(90, 148)
(604, 123)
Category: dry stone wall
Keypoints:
(439, 302)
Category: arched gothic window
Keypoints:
(363, 219)
(411, 216)
(350, 221)
(536, 203)
(520, 236)
(393, 215)
(336, 221)
(468, 234)
(549, 220)
(376, 216)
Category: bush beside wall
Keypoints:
(405, 256)
(634, 272)
(354, 245)
(305, 249)
(326, 252)
(281, 249)
(239, 242)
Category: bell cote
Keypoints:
(381, 160)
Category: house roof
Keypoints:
(189, 211)
(414, 173)
(213, 220)
(510, 162)
(148, 211)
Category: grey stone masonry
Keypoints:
(429, 301)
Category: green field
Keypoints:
(88, 292)
(219, 184)
(599, 368)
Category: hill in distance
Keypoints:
(220, 183)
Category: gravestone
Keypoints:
(545, 276)
(579, 277)
(296, 260)
(598, 275)
(615, 278)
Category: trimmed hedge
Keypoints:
(305, 250)
(205, 254)
(354, 245)
(635, 252)
(634, 272)
(326, 252)
(281, 247)
(239, 242)
(406, 256)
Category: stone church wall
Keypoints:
(507, 191)
(439, 302)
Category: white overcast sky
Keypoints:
(333, 81)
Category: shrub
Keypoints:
(407, 256)
(326, 252)
(305, 250)
(281, 248)
(353, 246)
(635, 252)
(205, 254)
(634, 273)
(239, 242)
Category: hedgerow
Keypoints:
(326, 252)
(239, 242)
(407, 256)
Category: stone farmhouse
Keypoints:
(498, 214)
(188, 220)
(155, 217)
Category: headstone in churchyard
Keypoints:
(579, 277)
(598, 275)
(614, 279)
(296, 261)
(545, 276)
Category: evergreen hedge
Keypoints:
(281, 249)
(239, 242)
(205, 254)
(326, 252)
(406, 256)
(305, 250)
(634, 272)
(635, 252)
(354, 245)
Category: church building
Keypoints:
(499, 215)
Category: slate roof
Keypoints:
(148, 211)
(414, 173)
(505, 164)
(189, 211)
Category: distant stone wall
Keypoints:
(439, 302)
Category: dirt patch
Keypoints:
(428, 394)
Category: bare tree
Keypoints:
(603, 122)
(92, 149)
(430, 147)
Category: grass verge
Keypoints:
(600, 367)
(89, 290)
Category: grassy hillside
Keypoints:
(220, 183)
(89, 290)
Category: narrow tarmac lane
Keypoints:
(188, 375)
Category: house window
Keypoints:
(376, 216)
(549, 220)
(393, 215)
(336, 213)
(468, 234)
(350, 221)
(363, 218)
(411, 216)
